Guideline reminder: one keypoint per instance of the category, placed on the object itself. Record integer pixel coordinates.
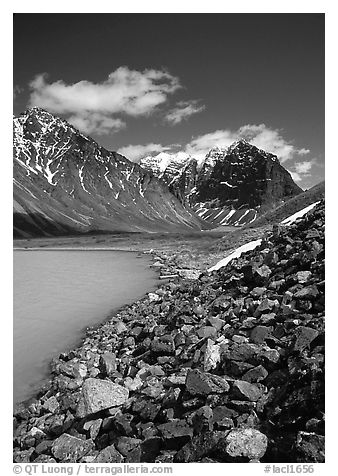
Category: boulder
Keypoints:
(311, 447)
(69, 449)
(303, 337)
(241, 445)
(98, 395)
(243, 390)
(257, 374)
(212, 355)
(109, 455)
(203, 383)
(200, 446)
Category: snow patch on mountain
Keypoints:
(291, 219)
(236, 254)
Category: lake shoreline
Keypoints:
(226, 366)
(92, 311)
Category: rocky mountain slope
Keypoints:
(65, 182)
(291, 206)
(230, 186)
(225, 368)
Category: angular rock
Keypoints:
(303, 276)
(259, 334)
(243, 390)
(51, 405)
(257, 374)
(203, 383)
(308, 292)
(303, 337)
(107, 363)
(216, 322)
(198, 447)
(206, 331)
(212, 356)
(98, 395)
(241, 445)
(311, 447)
(109, 455)
(175, 429)
(69, 449)
(150, 448)
(130, 448)
(202, 419)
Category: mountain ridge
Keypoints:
(66, 182)
(230, 185)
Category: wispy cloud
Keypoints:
(124, 92)
(304, 169)
(183, 111)
(96, 122)
(262, 136)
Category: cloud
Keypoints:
(259, 135)
(302, 170)
(263, 137)
(182, 111)
(303, 167)
(303, 151)
(200, 146)
(96, 123)
(295, 176)
(125, 91)
(136, 152)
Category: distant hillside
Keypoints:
(291, 206)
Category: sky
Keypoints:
(142, 84)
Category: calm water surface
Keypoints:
(57, 294)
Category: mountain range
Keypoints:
(231, 186)
(65, 182)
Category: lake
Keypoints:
(57, 294)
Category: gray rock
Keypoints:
(246, 391)
(203, 383)
(206, 331)
(51, 405)
(303, 276)
(107, 363)
(259, 334)
(70, 449)
(202, 419)
(308, 292)
(256, 374)
(200, 445)
(212, 356)
(243, 444)
(130, 448)
(216, 322)
(311, 447)
(98, 395)
(44, 459)
(175, 429)
(303, 337)
(109, 455)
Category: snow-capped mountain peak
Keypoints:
(64, 180)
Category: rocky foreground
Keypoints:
(228, 367)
